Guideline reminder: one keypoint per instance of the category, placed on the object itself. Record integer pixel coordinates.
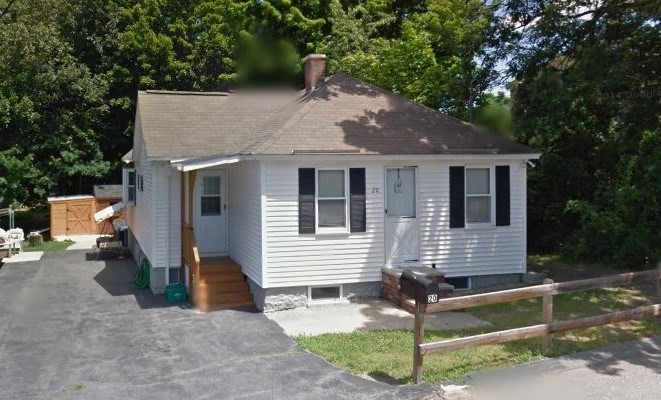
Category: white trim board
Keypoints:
(191, 163)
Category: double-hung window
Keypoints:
(129, 182)
(479, 195)
(331, 199)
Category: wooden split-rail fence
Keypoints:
(545, 330)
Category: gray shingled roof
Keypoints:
(344, 115)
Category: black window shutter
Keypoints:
(357, 200)
(457, 194)
(306, 201)
(502, 195)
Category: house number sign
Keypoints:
(376, 190)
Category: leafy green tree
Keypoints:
(435, 58)
(459, 35)
(50, 105)
(587, 94)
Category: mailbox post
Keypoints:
(423, 291)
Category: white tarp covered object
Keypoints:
(108, 212)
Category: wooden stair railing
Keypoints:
(191, 258)
(214, 282)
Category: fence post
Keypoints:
(418, 338)
(547, 316)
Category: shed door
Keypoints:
(211, 212)
(80, 218)
(402, 242)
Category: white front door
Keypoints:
(401, 215)
(211, 212)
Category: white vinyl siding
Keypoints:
(162, 212)
(245, 217)
(149, 218)
(266, 243)
(175, 219)
(325, 259)
(480, 250)
(140, 218)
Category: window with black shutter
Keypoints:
(479, 195)
(324, 204)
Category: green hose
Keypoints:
(141, 280)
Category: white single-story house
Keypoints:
(283, 198)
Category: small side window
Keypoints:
(129, 183)
(325, 293)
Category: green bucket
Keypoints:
(175, 293)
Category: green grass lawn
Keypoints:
(387, 355)
(48, 245)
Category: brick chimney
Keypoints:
(315, 69)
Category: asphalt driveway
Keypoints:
(74, 328)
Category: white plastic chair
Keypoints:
(16, 237)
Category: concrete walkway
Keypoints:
(72, 327)
(82, 242)
(23, 257)
(629, 370)
(364, 315)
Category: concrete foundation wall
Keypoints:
(286, 298)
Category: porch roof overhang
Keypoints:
(195, 163)
(192, 164)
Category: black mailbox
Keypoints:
(419, 287)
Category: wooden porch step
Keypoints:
(217, 301)
(221, 278)
(219, 269)
(224, 287)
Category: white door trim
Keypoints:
(415, 256)
(224, 190)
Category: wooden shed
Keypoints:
(74, 215)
